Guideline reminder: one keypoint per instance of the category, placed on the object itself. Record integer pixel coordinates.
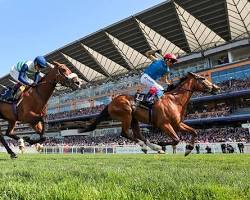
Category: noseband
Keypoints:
(67, 78)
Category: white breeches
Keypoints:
(149, 82)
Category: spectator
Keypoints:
(241, 147)
(230, 148)
(208, 149)
(223, 148)
(174, 149)
(225, 60)
(197, 147)
(220, 61)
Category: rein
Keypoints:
(181, 88)
(188, 90)
(54, 83)
(36, 88)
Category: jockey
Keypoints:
(21, 69)
(158, 69)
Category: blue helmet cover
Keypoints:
(41, 61)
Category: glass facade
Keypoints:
(241, 72)
(102, 94)
(194, 67)
(92, 96)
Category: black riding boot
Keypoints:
(149, 98)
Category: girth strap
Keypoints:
(14, 108)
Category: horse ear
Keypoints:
(191, 73)
(56, 63)
(50, 65)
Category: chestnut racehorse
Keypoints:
(167, 113)
(33, 104)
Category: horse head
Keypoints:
(65, 77)
(201, 84)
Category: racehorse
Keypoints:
(32, 106)
(167, 113)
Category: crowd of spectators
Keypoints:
(216, 111)
(230, 85)
(76, 113)
(229, 134)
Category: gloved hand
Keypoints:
(159, 51)
(33, 85)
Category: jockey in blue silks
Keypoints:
(20, 71)
(159, 69)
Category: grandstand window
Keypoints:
(240, 54)
(241, 72)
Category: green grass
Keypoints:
(125, 177)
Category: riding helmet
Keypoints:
(170, 56)
(40, 61)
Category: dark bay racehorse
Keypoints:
(167, 113)
(33, 104)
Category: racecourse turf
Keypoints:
(115, 177)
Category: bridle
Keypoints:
(59, 75)
(200, 79)
(67, 78)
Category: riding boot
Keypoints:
(17, 91)
(149, 99)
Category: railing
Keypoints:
(126, 149)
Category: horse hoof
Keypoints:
(189, 149)
(154, 147)
(13, 156)
(144, 151)
(187, 152)
(161, 152)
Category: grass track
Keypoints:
(125, 177)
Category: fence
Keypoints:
(126, 149)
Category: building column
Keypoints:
(230, 56)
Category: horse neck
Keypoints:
(45, 88)
(183, 93)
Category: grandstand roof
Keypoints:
(178, 26)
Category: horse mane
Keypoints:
(42, 78)
(174, 86)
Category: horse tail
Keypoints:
(104, 115)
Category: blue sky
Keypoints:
(30, 27)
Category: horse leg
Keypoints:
(168, 129)
(138, 136)
(142, 140)
(126, 122)
(10, 130)
(186, 128)
(12, 154)
(39, 127)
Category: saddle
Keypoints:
(147, 100)
(8, 95)
(144, 100)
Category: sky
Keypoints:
(29, 28)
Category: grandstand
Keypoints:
(210, 37)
